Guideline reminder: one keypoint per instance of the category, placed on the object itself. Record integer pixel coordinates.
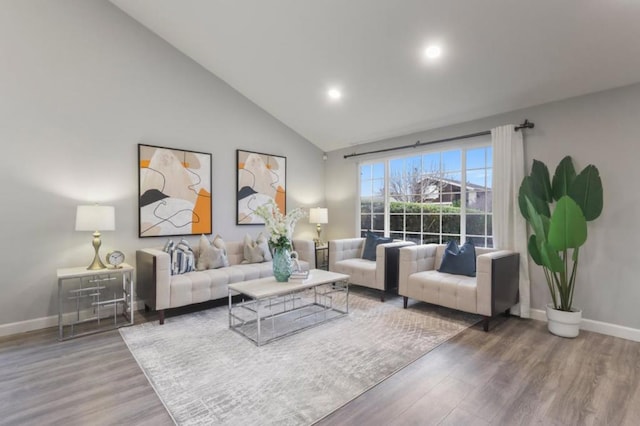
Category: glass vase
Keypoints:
(282, 264)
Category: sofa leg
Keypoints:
(382, 296)
(485, 324)
(161, 316)
(507, 312)
(405, 301)
(146, 308)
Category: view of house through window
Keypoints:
(431, 197)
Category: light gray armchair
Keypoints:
(345, 256)
(492, 291)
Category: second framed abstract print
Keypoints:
(260, 178)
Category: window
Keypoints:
(431, 197)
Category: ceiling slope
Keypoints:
(498, 55)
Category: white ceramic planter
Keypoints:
(562, 323)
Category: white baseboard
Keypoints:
(37, 324)
(597, 326)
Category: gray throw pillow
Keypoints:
(210, 257)
(252, 251)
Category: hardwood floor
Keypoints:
(517, 374)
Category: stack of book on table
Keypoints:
(299, 276)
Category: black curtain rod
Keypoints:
(526, 125)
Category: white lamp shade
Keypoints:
(318, 215)
(95, 218)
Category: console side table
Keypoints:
(322, 256)
(91, 301)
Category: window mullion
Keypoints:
(387, 207)
(463, 197)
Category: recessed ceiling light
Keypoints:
(334, 94)
(433, 52)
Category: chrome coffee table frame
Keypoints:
(270, 310)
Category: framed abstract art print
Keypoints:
(174, 192)
(260, 178)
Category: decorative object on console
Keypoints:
(96, 218)
(319, 216)
(260, 178)
(558, 235)
(115, 258)
(280, 228)
(174, 195)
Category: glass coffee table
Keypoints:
(268, 310)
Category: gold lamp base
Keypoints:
(97, 263)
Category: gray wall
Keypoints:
(81, 84)
(601, 128)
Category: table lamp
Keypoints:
(318, 215)
(96, 218)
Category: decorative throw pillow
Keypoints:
(210, 257)
(263, 242)
(252, 251)
(371, 243)
(459, 260)
(219, 243)
(181, 256)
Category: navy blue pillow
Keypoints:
(371, 243)
(459, 260)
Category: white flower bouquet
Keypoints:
(279, 226)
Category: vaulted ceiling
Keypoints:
(496, 56)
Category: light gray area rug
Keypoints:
(206, 374)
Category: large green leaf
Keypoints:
(534, 250)
(586, 190)
(568, 227)
(550, 258)
(563, 178)
(527, 190)
(537, 222)
(542, 184)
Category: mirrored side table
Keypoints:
(91, 301)
(322, 256)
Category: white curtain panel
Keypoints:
(509, 227)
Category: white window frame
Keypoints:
(386, 160)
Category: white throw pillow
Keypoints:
(263, 243)
(210, 256)
(219, 243)
(253, 252)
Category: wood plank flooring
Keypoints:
(517, 374)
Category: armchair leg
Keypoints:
(382, 296)
(161, 316)
(485, 324)
(405, 301)
(146, 308)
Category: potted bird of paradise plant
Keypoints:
(558, 211)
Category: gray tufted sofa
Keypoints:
(160, 290)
